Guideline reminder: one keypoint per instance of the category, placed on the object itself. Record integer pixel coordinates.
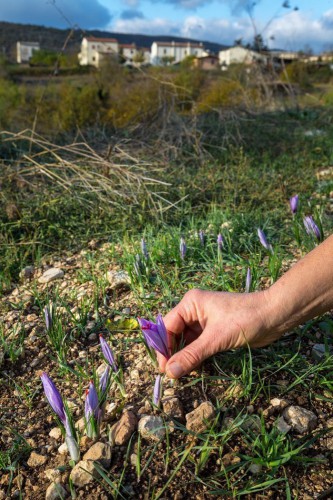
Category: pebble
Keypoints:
(36, 460)
(55, 491)
(300, 419)
(199, 419)
(173, 407)
(118, 279)
(55, 433)
(99, 452)
(318, 352)
(83, 473)
(52, 474)
(282, 425)
(152, 428)
(27, 272)
(63, 449)
(51, 274)
(121, 431)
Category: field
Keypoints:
(81, 200)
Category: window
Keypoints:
(93, 46)
(185, 53)
(164, 51)
(94, 58)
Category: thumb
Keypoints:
(188, 358)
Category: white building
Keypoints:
(94, 50)
(174, 52)
(239, 55)
(25, 50)
(134, 55)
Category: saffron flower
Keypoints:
(48, 317)
(155, 335)
(219, 242)
(293, 202)
(182, 248)
(202, 237)
(144, 249)
(92, 411)
(53, 396)
(157, 390)
(104, 379)
(264, 241)
(107, 353)
(248, 280)
(311, 227)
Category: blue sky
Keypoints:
(298, 25)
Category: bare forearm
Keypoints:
(304, 292)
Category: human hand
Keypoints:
(210, 322)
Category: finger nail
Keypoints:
(175, 370)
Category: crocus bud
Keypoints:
(157, 390)
(144, 249)
(182, 248)
(263, 240)
(107, 353)
(248, 280)
(293, 202)
(311, 227)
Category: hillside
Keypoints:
(54, 39)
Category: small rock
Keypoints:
(122, 430)
(36, 460)
(199, 419)
(27, 272)
(282, 425)
(135, 374)
(92, 337)
(118, 279)
(126, 311)
(85, 443)
(63, 449)
(55, 491)
(83, 473)
(300, 419)
(276, 405)
(152, 428)
(52, 474)
(55, 433)
(173, 407)
(111, 410)
(51, 274)
(319, 351)
(81, 424)
(99, 452)
(134, 459)
(255, 468)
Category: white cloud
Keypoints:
(293, 31)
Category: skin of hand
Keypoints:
(210, 322)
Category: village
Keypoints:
(95, 51)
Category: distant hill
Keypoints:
(54, 39)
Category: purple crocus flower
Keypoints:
(219, 242)
(155, 335)
(311, 227)
(248, 280)
(107, 353)
(48, 318)
(293, 202)
(53, 396)
(263, 240)
(182, 248)
(202, 237)
(157, 390)
(144, 249)
(91, 407)
(103, 381)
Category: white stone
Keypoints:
(51, 274)
(63, 449)
(282, 425)
(300, 419)
(55, 433)
(118, 279)
(83, 473)
(55, 491)
(152, 428)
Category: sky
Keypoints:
(288, 25)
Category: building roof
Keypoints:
(127, 46)
(30, 44)
(101, 40)
(179, 44)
